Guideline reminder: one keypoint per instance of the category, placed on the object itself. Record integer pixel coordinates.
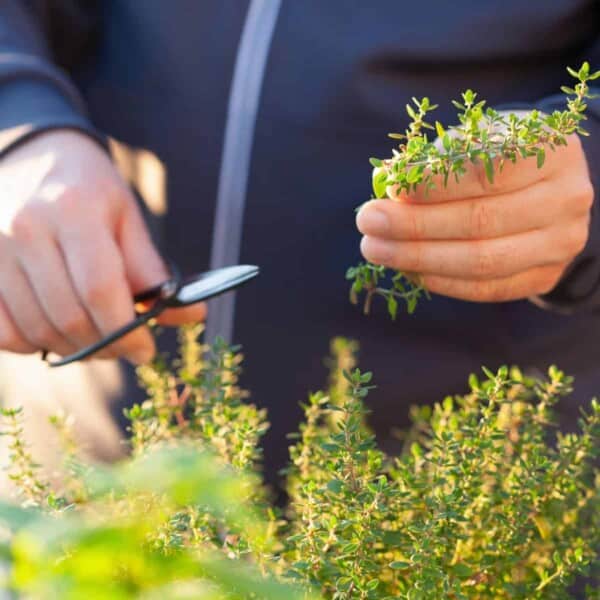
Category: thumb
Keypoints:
(144, 268)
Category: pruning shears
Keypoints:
(173, 293)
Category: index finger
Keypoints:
(96, 268)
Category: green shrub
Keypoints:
(486, 500)
(481, 504)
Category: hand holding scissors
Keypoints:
(173, 293)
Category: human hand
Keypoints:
(487, 242)
(73, 251)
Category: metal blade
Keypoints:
(212, 283)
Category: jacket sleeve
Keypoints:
(35, 94)
(579, 289)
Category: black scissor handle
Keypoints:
(161, 293)
(140, 319)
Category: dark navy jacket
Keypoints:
(157, 75)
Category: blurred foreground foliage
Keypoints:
(486, 501)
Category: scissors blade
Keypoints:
(212, 283)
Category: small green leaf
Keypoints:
(489, 167)
(447, 142)
(416, 450)
(568, 90)
(541, 157)
(439, 128)
(335, 486)
(376, 162)
(463, 571)
(392, 305)
(414, 174)
(380, 183)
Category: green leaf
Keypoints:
(461, 570)
(376, 162)
(392, 306)
(380, 184)
(489, 167)
(439, 128)
(541, 157)
(414, 174)
(350, 548)
(335, 486)
(447, 142)
(416, 450)
(584, 71)
(399, 564)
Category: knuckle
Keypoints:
(548, 280)
(482, 221)
(483, 261)
(41, 335)
(118, 196)
(8, 339)
(25, 224)
(416, 224)
(99, 284)
(97, 291)
(576, 239)
(484, 291)
(69, 199)
(584, 196)
(417, 258)
(13, 343)
(72, 323)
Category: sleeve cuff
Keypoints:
(30, 106)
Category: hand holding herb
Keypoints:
(473, 214)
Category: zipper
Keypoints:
(242, 110)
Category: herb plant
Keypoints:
(482, 503)
(483, 136)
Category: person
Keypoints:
(246, 128)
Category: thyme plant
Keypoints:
(484, 136)
(481, 504)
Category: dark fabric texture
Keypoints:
(156, 75)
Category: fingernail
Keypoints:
(373, 221)
(376, 251)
